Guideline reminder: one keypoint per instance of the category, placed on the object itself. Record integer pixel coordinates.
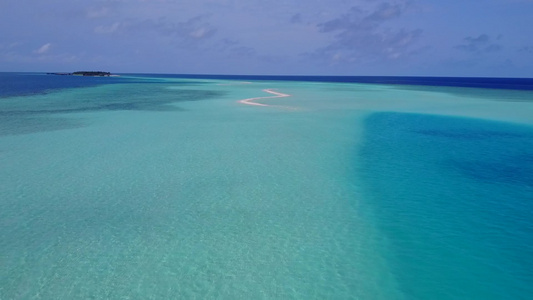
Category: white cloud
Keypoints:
(44, 48)
(107, 29)
(200, 33)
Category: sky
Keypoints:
(486, 38)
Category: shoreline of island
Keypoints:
(85, 73)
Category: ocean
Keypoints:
(157, 186)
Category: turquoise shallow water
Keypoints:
(170, 188)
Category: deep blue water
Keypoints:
(478, 82)
(16, 84)
(28, 115)
(454, 197)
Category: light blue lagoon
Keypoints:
(159, 187)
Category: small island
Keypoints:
(85, 73)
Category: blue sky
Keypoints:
(286, 37)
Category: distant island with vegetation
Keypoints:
(85, 73)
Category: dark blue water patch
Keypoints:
(21, 115)
(454, 198)
(478, 148)
(509, 169)
(150, 98)
(20, 84)
(23, 84)
(504, 151)
(469, 134)
(477, 82)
